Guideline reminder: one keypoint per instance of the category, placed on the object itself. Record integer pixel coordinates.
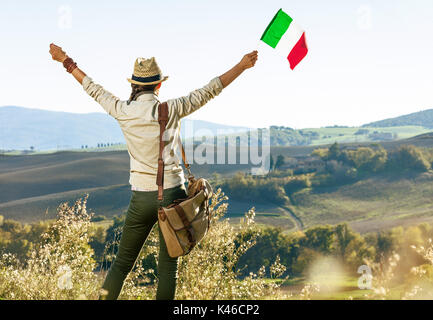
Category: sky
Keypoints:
(367, 60)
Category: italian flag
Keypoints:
(284, 34)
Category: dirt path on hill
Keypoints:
(298, 222)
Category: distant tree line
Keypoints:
(335, 167)
(347, 165)
(264, 189)
(102, 145)
(108, 144)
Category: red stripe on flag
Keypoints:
(298, 52)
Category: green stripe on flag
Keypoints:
(275, 30)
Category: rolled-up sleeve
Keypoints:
(186, 105)
(108, 101)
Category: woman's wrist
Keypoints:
(240, 66)
(69, 64)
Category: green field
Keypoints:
(347, 135)
(371, 204)
(266, 214)
(34, 185)
(343, 288)
(121, 147)
(282, 136)
(325, 136)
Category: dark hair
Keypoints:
(138, 90)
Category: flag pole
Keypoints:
(257, 45)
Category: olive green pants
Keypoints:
(141, 216)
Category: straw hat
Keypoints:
(146, 72)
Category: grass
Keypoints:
(326, 278)
(346, 288)
(32, 184)
(346, 135)
(105, 224)
(329, 135)
(109, 201)
(369, 204)
(266, 213)
(372, 204)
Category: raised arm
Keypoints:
(108, 101)
(59, 55)
(186, 105)
(248, 61)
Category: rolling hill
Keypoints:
(372, 204)
(21, 128)
(421, 118)
(32, 186)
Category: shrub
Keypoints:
(98, 217)
(367, 159)
(216, 260)
(409, 157)
(340, 173)
(296, 184)
(280, 161)
(321, 153)
(246, 187)
(362, 132)
(60, 267)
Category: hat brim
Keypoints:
(147, 83)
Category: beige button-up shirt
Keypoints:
(140, 127)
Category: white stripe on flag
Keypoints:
(289, 39)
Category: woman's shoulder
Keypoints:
(143, 110)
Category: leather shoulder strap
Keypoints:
(185, 163)
(162, 119)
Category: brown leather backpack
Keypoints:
(186, 221)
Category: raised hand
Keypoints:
(57, 53)
(249, 60)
